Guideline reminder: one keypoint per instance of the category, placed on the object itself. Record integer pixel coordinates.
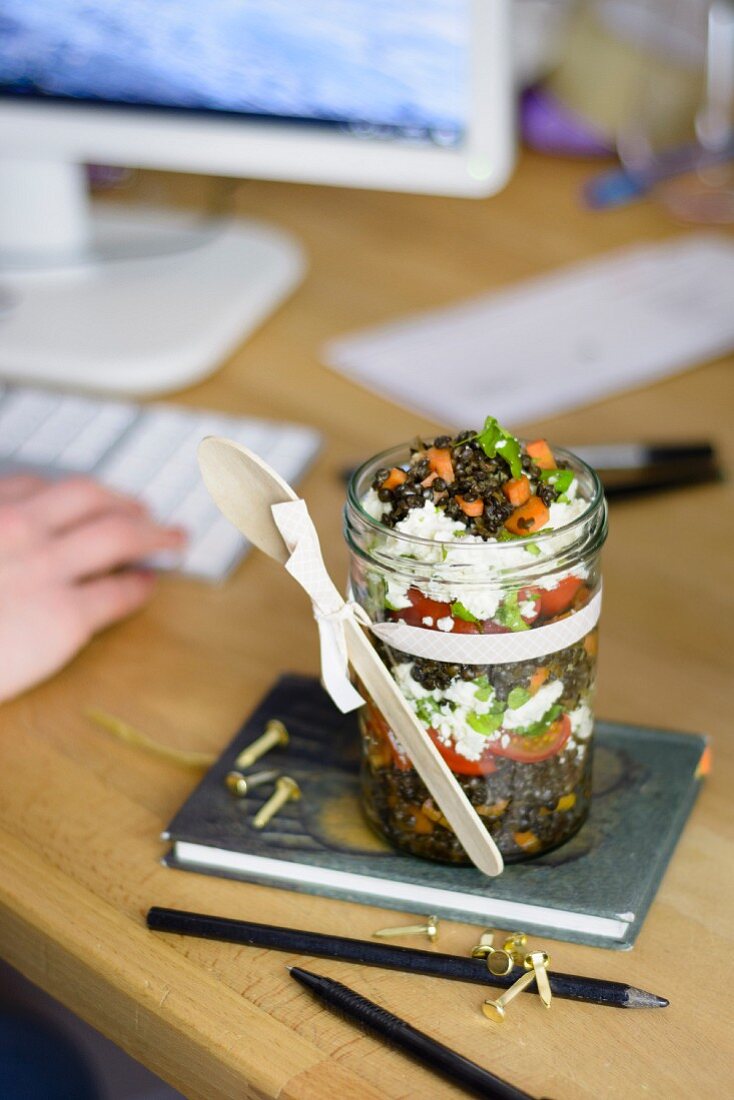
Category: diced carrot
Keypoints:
(470, 507)
(528, 518)
(541, 454)
(591, 643)
(527, 841)
(439, 459)
(428, 481)
(496, 809)
(394, 478)
(566, 802)
(422, 825)
(517, 490)
(538, 679)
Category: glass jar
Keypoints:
(493, 644)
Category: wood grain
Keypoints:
(80, 814)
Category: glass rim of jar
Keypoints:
(579, 524)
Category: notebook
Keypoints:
(556, 341)
(596, 889)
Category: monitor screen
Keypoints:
(382, 70)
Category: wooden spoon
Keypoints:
(244, 488)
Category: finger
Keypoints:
(104, 601)
(109, 542)
(64, 503)
(19, 487)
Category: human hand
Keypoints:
(60, 546)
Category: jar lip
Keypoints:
(381, 459)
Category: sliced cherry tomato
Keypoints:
(489, 626)
(421, 608)
(459, 764)
(531, 750)
(560, 598)
(533, 596)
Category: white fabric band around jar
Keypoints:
(491, 649)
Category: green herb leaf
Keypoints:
(517, 697)
(484, 723)
(509, 613)
(494, 440)
(559, 479)
(532, 548)
(542, 725)
(484, 693)
(426, 710)
(460, 612)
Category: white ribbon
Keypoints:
(306, 565)
(491, 649)
(330, 610)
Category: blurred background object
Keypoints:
(372, 93)
(655, 80)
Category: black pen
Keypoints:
(575, 987)
(429, 1052)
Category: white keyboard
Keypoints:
(149, 452)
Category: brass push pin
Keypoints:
(495, 1010)
(485, 945)
(539, 961)
(516, 945)
(498, 961)
(275, 734)
(240, 785)
(286, 790)
(430, 929)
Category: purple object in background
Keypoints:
(549, 127)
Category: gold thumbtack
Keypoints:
(285, 790)
(500, 962)
(240, 785)
(495, 1010)
(539, 961)
(275, 734)
(430, 929)
(516, 945)
(484, 947)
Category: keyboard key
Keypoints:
(215, 553)
(97, 437)
(23, 412)
(149, 452)
(57, 431)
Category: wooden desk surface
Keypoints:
(80, 814)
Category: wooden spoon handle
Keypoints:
(430, 765)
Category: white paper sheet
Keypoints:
(558, 341)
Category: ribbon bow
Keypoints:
(330, 610)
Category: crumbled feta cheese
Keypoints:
(446, 624)
(561, 514)
(427, 620)
(552, 580)
(582, 722)
(428, 522)
(373, 506)
(450, 711)
(532, 711)
(481, 602)
(397, 595)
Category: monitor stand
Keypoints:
(124, 299)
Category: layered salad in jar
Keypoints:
(465, 549)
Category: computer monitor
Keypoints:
(400, 94)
